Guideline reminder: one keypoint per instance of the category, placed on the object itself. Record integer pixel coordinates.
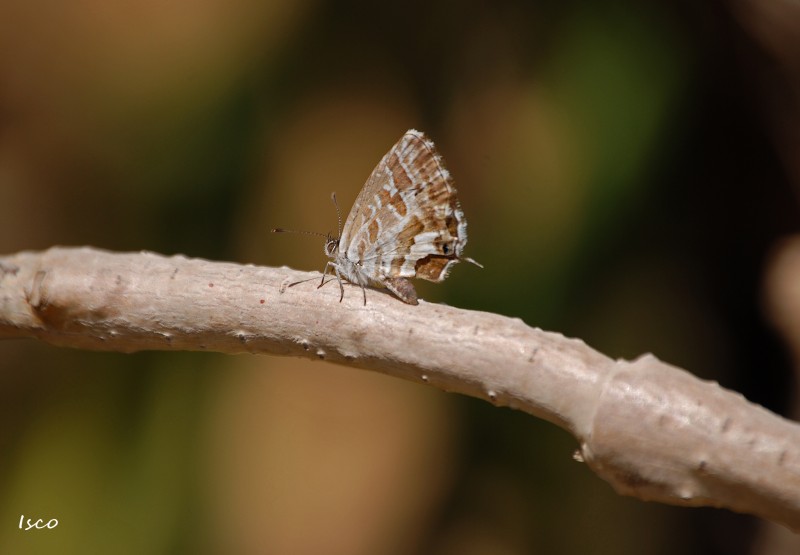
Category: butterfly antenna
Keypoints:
(303, 232)
(338, 214)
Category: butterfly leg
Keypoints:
(324, 273)
(341, 287)
(338, 278)
(299, 282)
(333, 265)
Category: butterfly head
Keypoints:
(331, 246)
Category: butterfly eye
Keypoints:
(331, 246)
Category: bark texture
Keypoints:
(652, 430)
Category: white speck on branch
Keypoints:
(652, 430)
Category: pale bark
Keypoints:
(652, 430)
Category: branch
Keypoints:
(652, 430)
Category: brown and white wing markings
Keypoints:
(407, 221)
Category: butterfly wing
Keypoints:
(406, 221)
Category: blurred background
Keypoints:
(627, 170)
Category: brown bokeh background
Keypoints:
(625, 167)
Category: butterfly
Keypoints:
(405, 223)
